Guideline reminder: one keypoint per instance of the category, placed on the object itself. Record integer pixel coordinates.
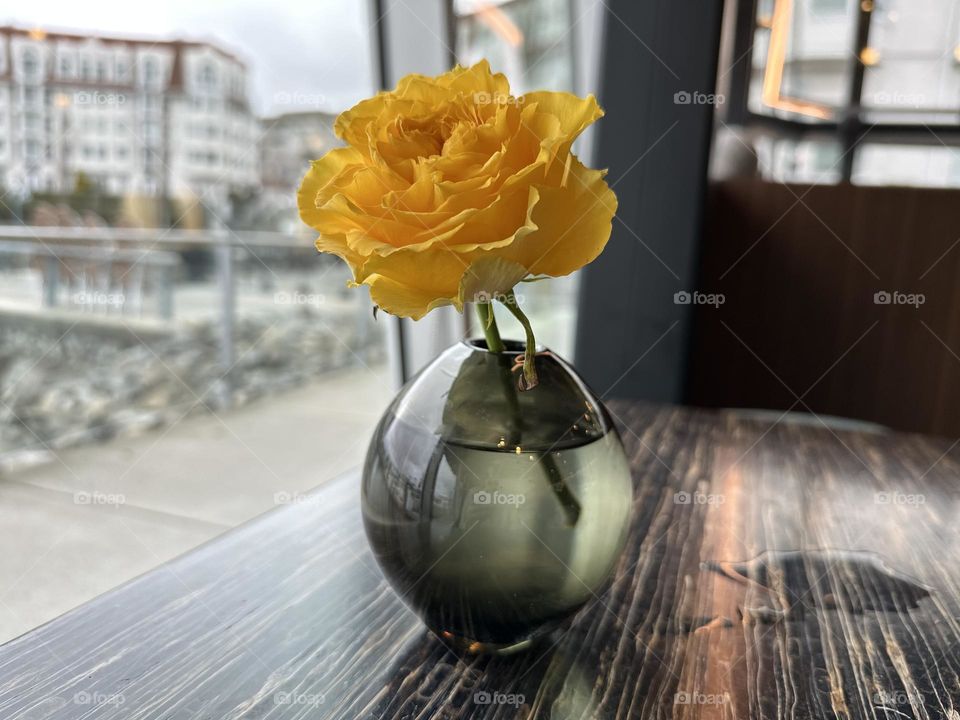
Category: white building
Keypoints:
(137, 117)
(289, 142)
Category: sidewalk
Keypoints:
(103, 514)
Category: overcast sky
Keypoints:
(301, 54)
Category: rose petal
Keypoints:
(573, 224)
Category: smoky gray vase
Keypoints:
(495, 513)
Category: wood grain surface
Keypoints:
(799, 281)
(774, 570)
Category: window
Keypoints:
(801, 58)
(30, 64)
(851, 72)
(934, 166)
(531, 41)
(150, 71)
(305, 352)
(208, 76)
(914, 74)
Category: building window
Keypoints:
(30, 63)
(150, 71)
(208, 76)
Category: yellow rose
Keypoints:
(450, 187)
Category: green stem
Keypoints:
(530, 380)
(568, 501)
(490, 330)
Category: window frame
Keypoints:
(849, 128)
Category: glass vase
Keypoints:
(496, 513)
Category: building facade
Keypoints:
(289, 142)
(135, 117)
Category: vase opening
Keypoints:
(511, 347)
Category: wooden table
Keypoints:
(289, 617)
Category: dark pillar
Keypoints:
(658, 76)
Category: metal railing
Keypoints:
(110, 273)
(109, 260)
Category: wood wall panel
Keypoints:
(799, 266)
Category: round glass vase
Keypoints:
(495, 513)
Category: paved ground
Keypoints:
(103, 514)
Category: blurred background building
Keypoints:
(288, 143)
(134, 117)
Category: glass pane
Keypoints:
(806, 161)
(175, 356)
(531, 42)
(916, 77)
(802, 58)
(528, 40)
(817, 64)
(761, 42)
(907, 165)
